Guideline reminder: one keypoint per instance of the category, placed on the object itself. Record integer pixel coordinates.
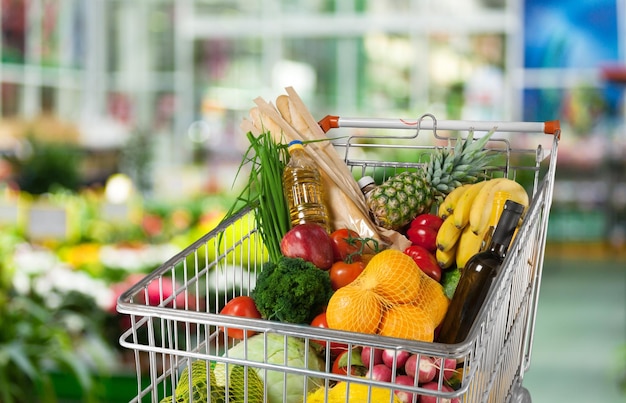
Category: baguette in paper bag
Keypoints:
(291, 120)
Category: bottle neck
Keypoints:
(296, 150)
(500, 248)
(506, 228)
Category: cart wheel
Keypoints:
(521, 395)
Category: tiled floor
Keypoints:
(580, 329)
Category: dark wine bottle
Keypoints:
(477, 277)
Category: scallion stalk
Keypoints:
(264, 189)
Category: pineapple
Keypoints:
(404, 196)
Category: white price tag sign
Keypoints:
(46, 221)
(9, 213)
(117, 212)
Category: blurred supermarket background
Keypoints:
(120, 140)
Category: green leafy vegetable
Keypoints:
(291, 290)
(245, 385)
(449, 281)
(264, 189)
(199, 389)
(286, 351)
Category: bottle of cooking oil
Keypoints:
(302, 184)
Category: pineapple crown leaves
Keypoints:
(452, 167)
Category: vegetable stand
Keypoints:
(174, 320)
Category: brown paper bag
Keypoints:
(290, 120)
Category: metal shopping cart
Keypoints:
(173, 312)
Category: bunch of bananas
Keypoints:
(466, 212)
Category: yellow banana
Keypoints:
(463, 207)
(479, 206)
(479, 215)
(448, 258)
(469, 244)
(448, 234)
(449, 203)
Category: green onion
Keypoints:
(265, 190)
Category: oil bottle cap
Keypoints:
(295, 144)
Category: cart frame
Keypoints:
(174, 311)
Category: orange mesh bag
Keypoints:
(392, 297)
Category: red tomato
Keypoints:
(426, 261)
(345, 242)
(342, 273)
(423, 236)
(430, 220)
(335, 348)
(340, 365)
(241, 306)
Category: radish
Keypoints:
(433, 399)
(449, 367)
(366, 356)
(400, 357)
(380, 372)
(423, 366)
(404, 396)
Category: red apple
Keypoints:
(310, 242)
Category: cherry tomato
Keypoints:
(241, 306)
(423, 236)
(342, 273)
(426, 261)
(340, 365)
(430, 220)
(345, 242)
(335, 348)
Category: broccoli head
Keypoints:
(291, 290)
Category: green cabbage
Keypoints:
(199, 389)
(257, 351)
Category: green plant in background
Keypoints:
(39, 334)
(31, 343)
(137, 158)
(42, 167)
(621, 369)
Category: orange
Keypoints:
(355, 310)
(433, 299)
(407, 321)
(392, 297)
(393, 275)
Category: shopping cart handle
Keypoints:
(329, 122)
(549, 127)
(552, 127)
